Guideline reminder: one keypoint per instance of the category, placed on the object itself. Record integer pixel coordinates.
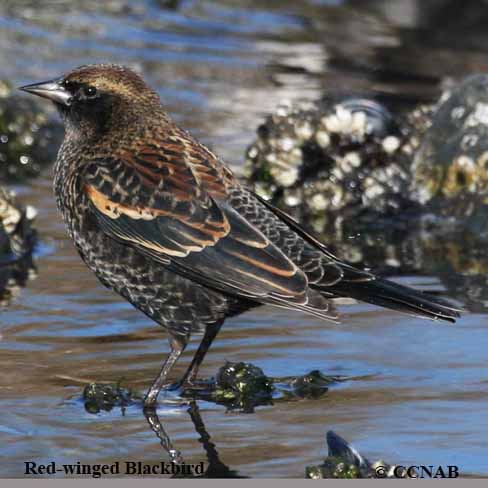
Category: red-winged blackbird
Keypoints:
(162, 221)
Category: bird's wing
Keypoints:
(169, 202)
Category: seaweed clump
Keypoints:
(99, 396)
(242, 386)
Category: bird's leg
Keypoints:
(178, 345)
(191, 374)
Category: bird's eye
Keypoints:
(90, 92)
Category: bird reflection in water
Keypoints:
(215, 468)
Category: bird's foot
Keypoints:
(197, 385)
(179, 392)
(170, 394)
(186, 388)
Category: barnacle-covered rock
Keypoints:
(17, 237)
(17, 240)
(336, 160)
(13, 277)
(450, 168)
(351, 160)
(344, 462)
(28, 137)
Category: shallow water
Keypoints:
(220, 67)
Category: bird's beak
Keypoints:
(52, 90)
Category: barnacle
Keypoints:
(482, 166)
(462, 176)
(427, 181)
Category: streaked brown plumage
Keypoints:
(162, 221)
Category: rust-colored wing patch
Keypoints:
(115, 210)
(179, 233)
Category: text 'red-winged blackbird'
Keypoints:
(162, 221)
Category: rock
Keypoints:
(17, 241)
(17, 237)
(344, 462)
(450, 168)
(28, 137)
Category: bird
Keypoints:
(165, 223)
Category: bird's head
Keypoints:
(91, 97)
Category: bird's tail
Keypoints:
(398, 297)
(364, 286)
